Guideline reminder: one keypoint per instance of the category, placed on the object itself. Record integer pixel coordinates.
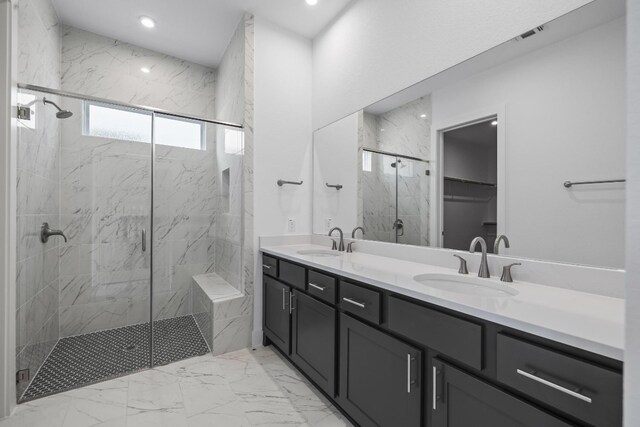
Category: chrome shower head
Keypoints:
(61, 114)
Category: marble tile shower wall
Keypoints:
(106, 187)
(404, 131)
(105, 283)
(98, 66)
(234, 237)
(37, 190)
(230, 107)
(185, 215)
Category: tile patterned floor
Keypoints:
(86, 359)
(244, 388)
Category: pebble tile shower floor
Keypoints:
(90, 358)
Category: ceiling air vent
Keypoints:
(530, 33)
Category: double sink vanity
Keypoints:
(400, 343)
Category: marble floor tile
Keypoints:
(245, 388)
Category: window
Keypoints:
(179, 132)
(109, 121)
(366, 161)
(233, 141)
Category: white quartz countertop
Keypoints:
(587, 321)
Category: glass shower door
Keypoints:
(379, 196)
(412, 201)
(83, 296)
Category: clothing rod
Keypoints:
(468, 181)
(387, 153)
(123, 104)
(569, 184)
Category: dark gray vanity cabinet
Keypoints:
(380, 376)
(462, 400)
(389, 360)
(277, 324)
(313, 342)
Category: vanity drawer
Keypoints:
(322, 286)
(449, 335)
(269, 265)
(292, 274)
(362, 302)
(586, 391)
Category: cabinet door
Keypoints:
(313, 342)
(277, 325)
(379, 376)
(462, 400)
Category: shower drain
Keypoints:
(129, 347)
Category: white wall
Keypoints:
(335, 161)
(632, 343)
(376, 48)
(565, 120)
(282, 138)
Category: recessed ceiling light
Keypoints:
(147, 22)
(312, 2)
(422, 116)
(494, 123)
(145, 70)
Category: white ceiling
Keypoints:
(194, 30)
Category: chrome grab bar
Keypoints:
(554, 386)
(356, 303)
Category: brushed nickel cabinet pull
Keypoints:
(554, 386)
(356, 303)
(318, 287)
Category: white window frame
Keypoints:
(86, 118)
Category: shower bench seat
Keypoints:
(222, 312)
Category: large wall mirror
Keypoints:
(526, 140)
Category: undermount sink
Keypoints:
(470, 285)
(319, 252)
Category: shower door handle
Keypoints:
(398, 225)
(144, 240)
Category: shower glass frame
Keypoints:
(152, 196)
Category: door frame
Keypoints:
(447, 123)
(8, 151)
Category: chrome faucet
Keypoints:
(341, 246)
(484, 266)
(353, 236)
(496, 244)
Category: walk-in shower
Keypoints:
(132, 199)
